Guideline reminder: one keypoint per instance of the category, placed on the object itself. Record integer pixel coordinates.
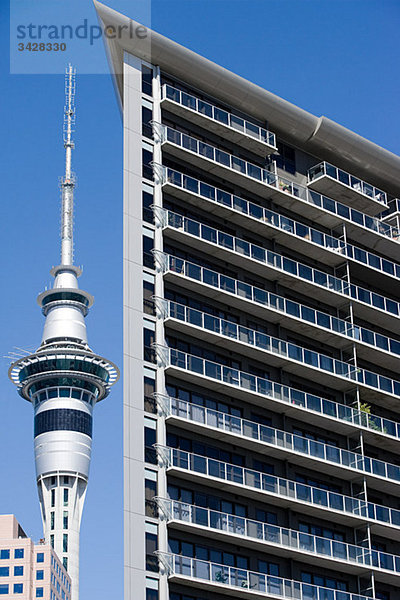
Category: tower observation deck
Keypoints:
(63, 380)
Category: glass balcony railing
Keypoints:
(295, 228)
(279, 262)
(278, 487)
(354, 183)
(282, 348)
(218, 114)
(268, 177)
(213, 194)
(276, 391)
(240, 579)
(279, 439)
(279, 536)
(278, 303)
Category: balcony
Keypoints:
(328, 179)
(291, 358)
(370, 230)
(227, 125)
(293, 234)
(276, 267)
(280, 444)
(280, 541)
(277, 309)
(286, 493)
(279, 398)
(263, 181)
(239, 583)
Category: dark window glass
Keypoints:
(147, 115)
(286, 158)
(151, 594)
(147, 80)
(3, 588)
(19, 553)
(148, 351)
(150, 491)
(63, 419)
(147, 201)
(18, 588)
(147, 169)
(40, 574)
(40, 557)
(148, 303)
(18, 570)
(150, 404)
(4, 571)
(148, 258)
(150, 438)
(4, 554)
(151, 547)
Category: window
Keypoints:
(150, 438)
(147, 169)
(147, 80)
(40, 574)
(149, 400)
(151, 547)
(63, 419)
(19, 553)
(4, 571)
(18, 588)
(150, 490)
(52, 541)
(39, 593)
(148, 351)
(65, 519)
(52, 515)
(286, 158)
(4, 554)
(65, 542)
(3, 588)
(40, 557)
(53, 498)
(147, 201)
(18, 571)
(148, 258)
(148, 303)
(322, 581)
(147, 115)
(268, 568)
(65, 563)
(151, 594)
(65, 496)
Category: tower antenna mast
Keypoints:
(68, 181)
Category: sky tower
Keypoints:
(63, 380)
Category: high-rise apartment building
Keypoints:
(261, 336)
(28, 570)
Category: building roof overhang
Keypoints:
(320, 136)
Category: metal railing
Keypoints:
(278, 347)
(281, 393)
(280, 536)
(277, 486)
(283, 223)
(268, 177)
(350, 181)
(277, 438)
(279, 303)
(218, 114)
(232, 577)
(278, 262)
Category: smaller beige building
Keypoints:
(28, 570)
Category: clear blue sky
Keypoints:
(334, 57)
